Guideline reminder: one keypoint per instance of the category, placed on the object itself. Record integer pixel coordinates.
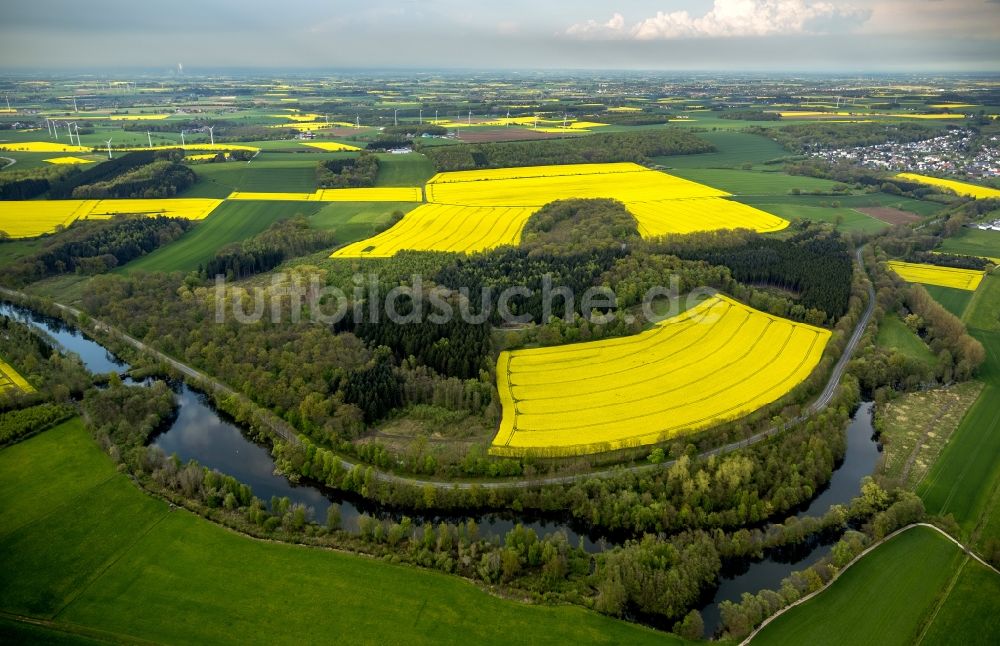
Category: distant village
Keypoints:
(953, 153)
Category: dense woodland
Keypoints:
(162, 178)
(93, 247)
(352, 172)
(268, 249)
(55, 378)
(600, 148)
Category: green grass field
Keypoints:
(231, 222)
(754, 183)
(964, 618)
(919, 207)
(82, 547)
(352, 221)
(983, 312)
(845, 219)
(889, 596)
(404, 170)
(954, 300)
(733, 149)
(296, 175)
(974, 242)
(893, 333)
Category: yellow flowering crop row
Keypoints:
(967, 279)
(716, 362)
(962, 188)
(43, 147)
(29, 218)
(68, 160)
(444, 227)
(9, 379)
(661, 217)
(537, 186)
(330, 146)
(138, 117)
(492, 206)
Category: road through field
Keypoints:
(286, 432)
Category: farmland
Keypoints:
(112, 573)
(967, 279)
(962, 188)
(918, 581)
(483, 209)
(561, 400)
(11, 379)
(26, 219)
(973, 242)
(387, 194)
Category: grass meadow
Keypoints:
(892, 596)
(82, 548)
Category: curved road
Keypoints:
(286, 432)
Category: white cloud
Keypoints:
(594, 29)
(728, 18)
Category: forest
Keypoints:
(268, 249)
(93, 247)
(354, 172)
(802, 137)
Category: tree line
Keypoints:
(268, 249)
(93, 247)
(636, 147)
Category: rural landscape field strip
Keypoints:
(967, 279)
(138, 567)
(441, 227)
(962, 188)
(895, 592)
(715, 362)
(11, 378)
(30, 218)
(660, 203)
(379, 194)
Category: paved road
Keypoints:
(286, 432)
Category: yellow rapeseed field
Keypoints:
(329, 146)
(539, 185)
(68, 160)
(385, 194)
(661, 217)
(138, 117)
(491, 206)
(962, 188)
(30, 218)
(43, 147)
(9, 379)
(912, 272)
(716, 362)
(443, 227)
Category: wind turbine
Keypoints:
(182, 138)
(536, 122)
(75, 109)
(149, 138)
(395, 117)
(507, 124)
(48, 124)
(108, 142)
(77, 128)
(421, 117)
(357, 122)
(8, 101)
(564, 119)
(55, 128)
(435, 117)
(211, 134)
(470, 117)
(69, 129)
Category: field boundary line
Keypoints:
(110, 563)
(940, 601)
(66, 628)
(968, 552)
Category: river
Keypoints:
(203, 433)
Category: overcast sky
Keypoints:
(792, 35)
